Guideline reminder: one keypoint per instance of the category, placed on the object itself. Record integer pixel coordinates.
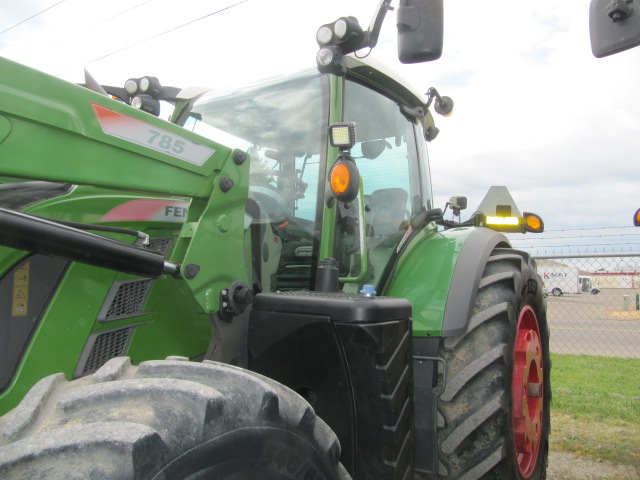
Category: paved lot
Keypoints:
(595, 324)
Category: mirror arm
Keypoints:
(371, 35)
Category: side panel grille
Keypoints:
(160, 245)
(125, 299)
(102, 347)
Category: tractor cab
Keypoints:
(296, 220)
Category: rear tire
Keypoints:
(556, 292)
(494, 412)
(166, 419)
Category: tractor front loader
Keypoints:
(260, 287)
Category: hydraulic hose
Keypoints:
(34, 234)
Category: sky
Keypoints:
(534, 109)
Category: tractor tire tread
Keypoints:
(148, 421)
(474, 408)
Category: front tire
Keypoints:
(169, 419)
(494, 412)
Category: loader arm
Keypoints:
(56, 131)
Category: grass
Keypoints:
(595, 410)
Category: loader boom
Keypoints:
(57, 131)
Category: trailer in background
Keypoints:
(587, 285)
(558, 278)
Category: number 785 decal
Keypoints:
(141, 133)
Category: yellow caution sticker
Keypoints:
(20, 298)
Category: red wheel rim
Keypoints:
(527, 392)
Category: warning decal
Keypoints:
(20, 298)
(141, 133)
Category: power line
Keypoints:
(158, 35)
(32, 16)
(122, 13)
(50, 46)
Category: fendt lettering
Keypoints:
(171, 211)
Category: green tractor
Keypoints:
(260, 287)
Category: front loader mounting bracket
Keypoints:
(234, 300)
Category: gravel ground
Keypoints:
(564, 466)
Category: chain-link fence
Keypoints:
(593, 303)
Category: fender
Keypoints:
(439, 273)
(466, 278)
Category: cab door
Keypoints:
(393, 166)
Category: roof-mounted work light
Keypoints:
(346, 32)
(145, 94)
(337, 39)
(150, 86)
(131, 86)
(420, 32)
(146, 103)
(330, 60)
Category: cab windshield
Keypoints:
(282, 125)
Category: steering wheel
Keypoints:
(272, 202)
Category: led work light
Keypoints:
(344, 177)
(502, 220)
(342, 135)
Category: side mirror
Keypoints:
(614, 26)
(420, 30)
(636, 218)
